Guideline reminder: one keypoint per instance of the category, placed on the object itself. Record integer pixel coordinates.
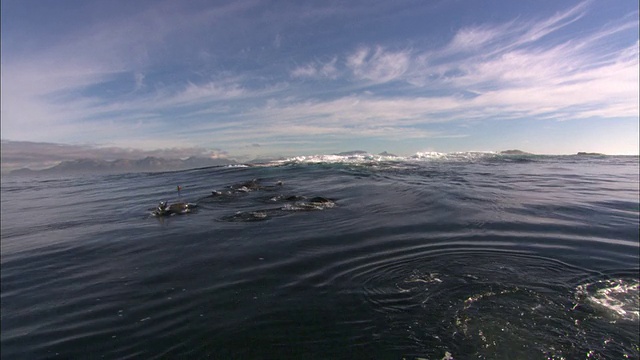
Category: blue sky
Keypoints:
(255, 78)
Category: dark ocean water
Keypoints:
(464, 256)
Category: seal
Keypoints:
(247, 186)
(243, 188)
(180, 208)
(316, 203)
(254, 185)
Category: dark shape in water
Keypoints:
(254, 185)
(249, 216)
(320, 200)
(283, 198)
(232, 192)
(164, 209)
(315, 203)
(293, 198)
(244, 187)
(221, 194)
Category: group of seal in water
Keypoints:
(291, 202)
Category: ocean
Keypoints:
(434, 256)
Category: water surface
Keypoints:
(458, 256)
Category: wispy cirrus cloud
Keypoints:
(373, 64)
(317, 70)
(472, 39)
(508, 72)
(378, 65)
(50, 90)
(539, 29)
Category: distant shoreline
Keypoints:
(148, 164)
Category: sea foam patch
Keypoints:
(364, 157)
(617, 297)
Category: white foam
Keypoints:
(455, 156)
(618, 297)
(362, 158)
(331, 159)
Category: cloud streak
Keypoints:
(378, 65)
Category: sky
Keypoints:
(258, 78)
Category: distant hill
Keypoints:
(581, 153)
(148, 164)
(515, 152)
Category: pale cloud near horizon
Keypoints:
(499, 70)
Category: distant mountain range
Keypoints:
(148, 164)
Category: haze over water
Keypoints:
(438, 256)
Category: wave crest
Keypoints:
(367, 158)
